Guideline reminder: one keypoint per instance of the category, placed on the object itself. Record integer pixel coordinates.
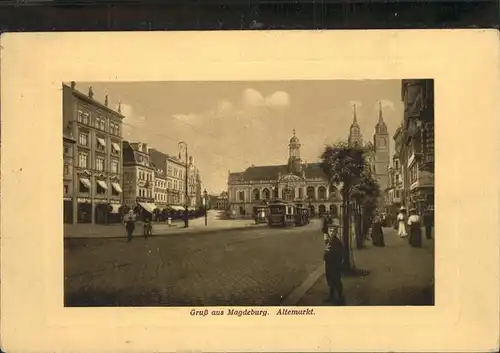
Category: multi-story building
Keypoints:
(176, 182)
(301, 182)
(417, 143)
(220, 202)
(92, 143)
(159, 163)
(192, 183)
(138, 177)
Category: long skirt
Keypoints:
(415, 238)
(402, 229)
(377, 235)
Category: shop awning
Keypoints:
(150, 207)
(85, 182)
(102, 184)
(101, 142)
(115, 208)
(117, 187)
(177, 208)
(116, 147)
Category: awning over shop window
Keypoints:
(101, 142)
(117, 187)
(102, 184)
(150, 207)
(85, 182)
(177, 208)
(115, 208)
(116, 147)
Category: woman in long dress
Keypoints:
(415, 225)
(377, 233)
(402, 223)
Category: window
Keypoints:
(83, 139)
(83, 159)
(67, 151)
(396, 164)
(169, 171)
(170, 184)
(100, 189)
(114, 166)
(83, 188)
(66, 169)
(97, 122)
(114, 192)
(256, 195)
(66, 189)
(99, 164)
(175, 172)
(80, 116)
(175, 184)
(241, 196)
(102, 125)
(86, 118)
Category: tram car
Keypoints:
(282, 214)
(302, 216)
(260, 214)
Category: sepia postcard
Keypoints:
(250, 191)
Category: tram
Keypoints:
(282, 214)
(260, 214)
(302, 216)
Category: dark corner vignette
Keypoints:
(131, 15)
(165, 205)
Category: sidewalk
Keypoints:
(177, 228)
(399, 275)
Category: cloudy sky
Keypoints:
(232, 125)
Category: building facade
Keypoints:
(92, 145)
(303, 183)
(176, 182)
(377, 151)
(220, 202)
(138, 177)
(193, 202)
(417, 144)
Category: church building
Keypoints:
(303, 183)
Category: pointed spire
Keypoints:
(293, 132)
(355, 119)
(380, 115)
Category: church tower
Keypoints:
(294, 161)
(381, 147)
(355, 137)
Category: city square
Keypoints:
(175, 209)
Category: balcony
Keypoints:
(424, 180)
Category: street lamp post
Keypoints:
(205, 198)
(183, 146)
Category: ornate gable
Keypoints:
(290, 178)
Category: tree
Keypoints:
(343, 166)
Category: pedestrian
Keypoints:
(415, 238)
(333, 257)
(186, 217)
(402, 223)
(428, 223)
(148, 227)
(327, 222)
(377, 232)
(130, 224)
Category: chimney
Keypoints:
(91, 92)
(73, 85)
(106, 100)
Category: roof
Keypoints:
(158, 159)
(273, 172)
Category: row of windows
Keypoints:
(175, 172)
(99, 122)
(145, 192)
(145, 175)
(83, 140)
(159, 183)
(160, 197)
(82, 188)
(289, 194)
(100, 164)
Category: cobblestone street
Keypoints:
(253, 267)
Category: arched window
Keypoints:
(288, 194)
(333, 192)
(256, 194)
(322, 193)
(310, 193)
(266, 194)
(333, 209)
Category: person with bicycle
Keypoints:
(148, 227)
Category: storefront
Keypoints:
(114, 215)
(68, 210)
(101, 210)
(84, 210)
(146, 207)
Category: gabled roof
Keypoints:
(273, 172)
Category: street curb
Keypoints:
(297, 294)
(173, 233)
